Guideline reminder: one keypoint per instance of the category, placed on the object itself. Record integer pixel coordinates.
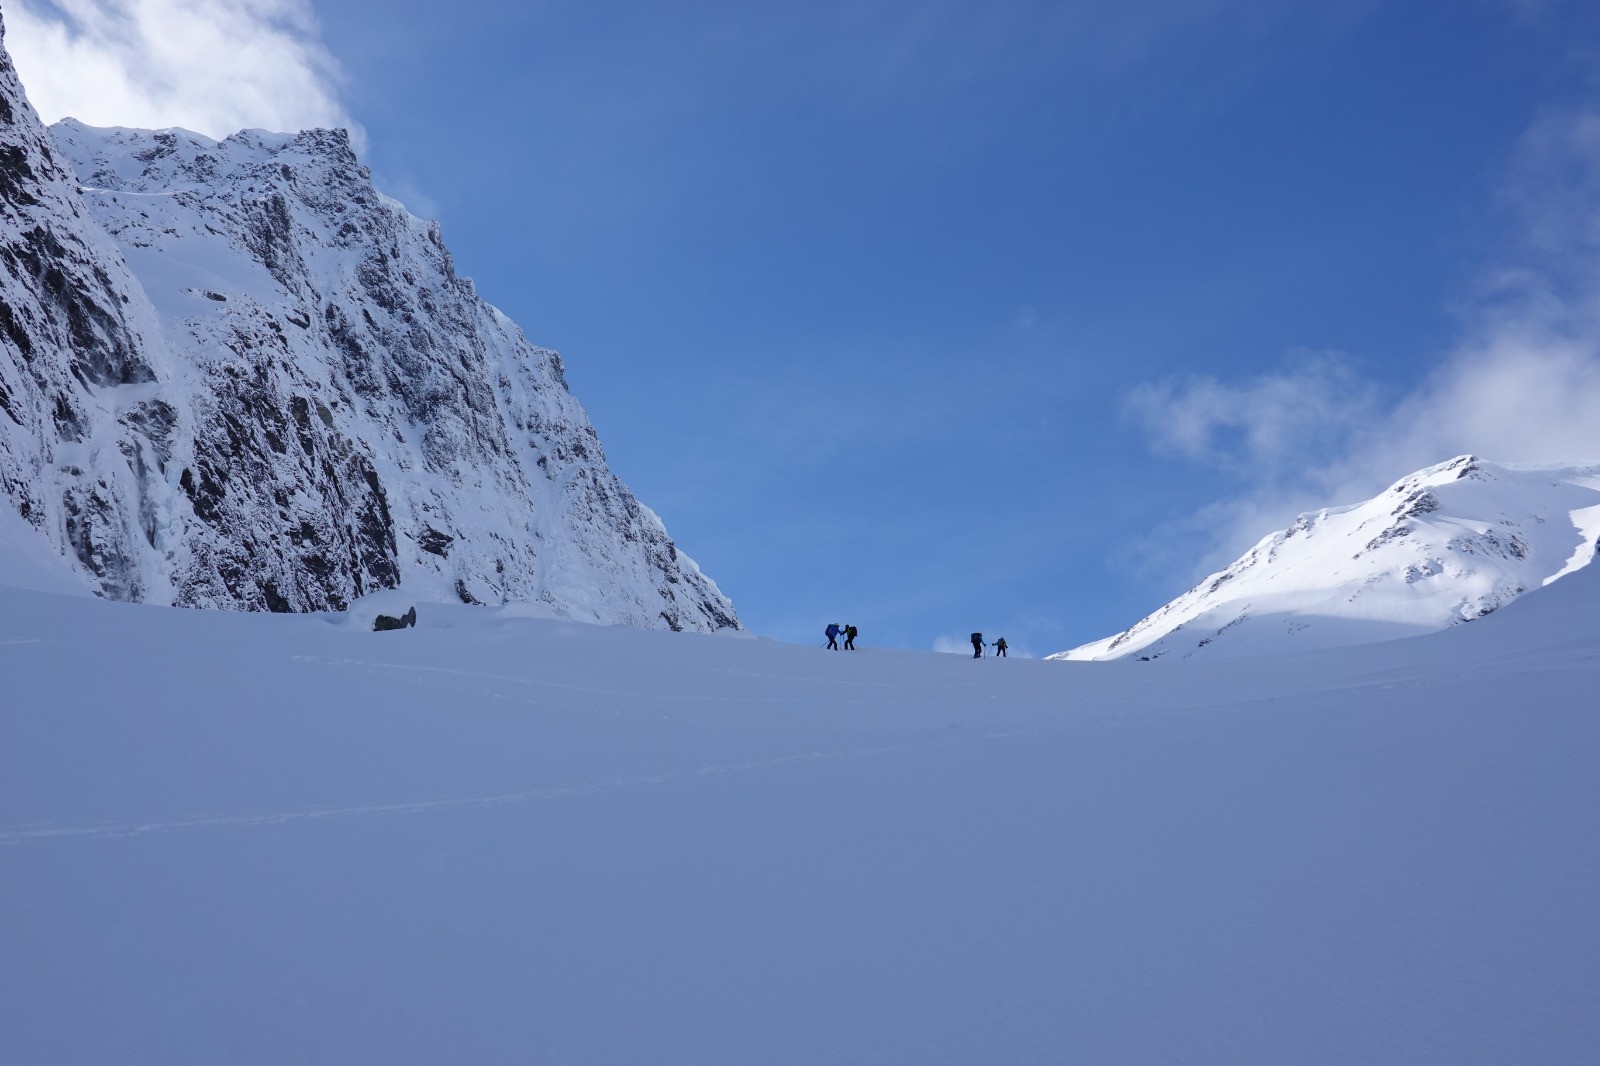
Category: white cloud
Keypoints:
(1521, 386)
(1261, 423)
(212, 66)
(1521, 398)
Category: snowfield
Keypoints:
(246, 838)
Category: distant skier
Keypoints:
(850, 637)
(1000, 648)
(832, 633)
(977, 645)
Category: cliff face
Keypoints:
(87, 420)
(238, 376)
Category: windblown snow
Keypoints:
(1445, 545)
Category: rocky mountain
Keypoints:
(1444, 546)
(87, 424)
(236, 375)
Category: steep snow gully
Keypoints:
(500, 839)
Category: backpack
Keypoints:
(977, 638)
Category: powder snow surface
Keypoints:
(232, 838)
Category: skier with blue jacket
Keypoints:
(833, 636)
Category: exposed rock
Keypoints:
(233, 374)
(385, 622)
(86, 422)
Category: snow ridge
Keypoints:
(1446, 545)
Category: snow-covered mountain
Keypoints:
(238, 376)
(86, 419)
(1446, 545)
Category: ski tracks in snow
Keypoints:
(593, 690)
(629, 699)
(22, 834)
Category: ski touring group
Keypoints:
(999, 647)
(848, 632)
(835, 631)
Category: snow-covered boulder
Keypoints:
(380, 611)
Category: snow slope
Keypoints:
(1445, 545)
(263, 838)
(29, 561)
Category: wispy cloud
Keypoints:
(889, 48)
(408, 192)
(213, 66)
(1522, 384)
(1260, 423)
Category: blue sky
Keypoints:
(951, 315)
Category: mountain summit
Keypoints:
(1446, 545)
(236, 375)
